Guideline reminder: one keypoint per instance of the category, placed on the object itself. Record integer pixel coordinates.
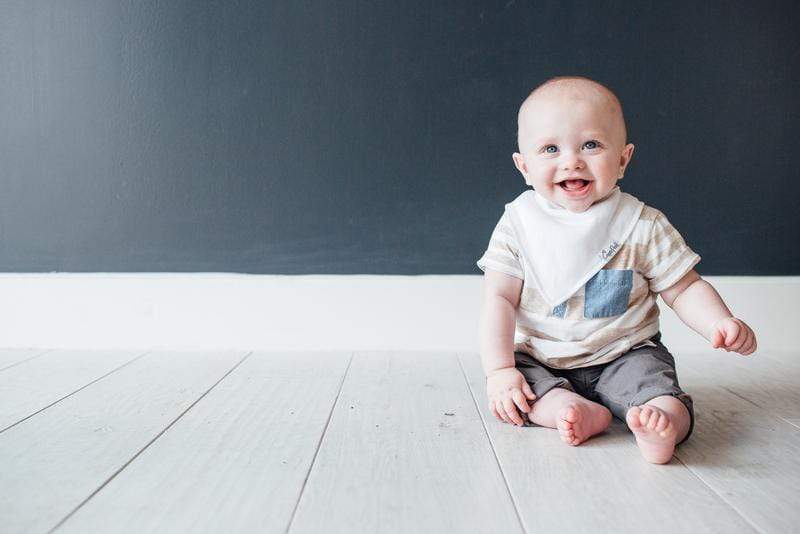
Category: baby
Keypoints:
(569, 330)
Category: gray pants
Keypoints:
(632, 379)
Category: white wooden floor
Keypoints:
(114, 441)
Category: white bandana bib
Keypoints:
(562, 250)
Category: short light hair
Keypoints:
(579, 87)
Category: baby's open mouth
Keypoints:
(573, 185)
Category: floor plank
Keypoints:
(768, 382)
(253, 438)
(750, 457)
(11, 357)
(56, 460)
(129, 456)
(37, 383)
(602, 485)
(405, 452)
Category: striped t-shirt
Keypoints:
(613, 312)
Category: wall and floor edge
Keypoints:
(195, 311)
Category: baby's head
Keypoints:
(572, 142)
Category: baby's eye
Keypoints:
(591, 145)
(548, 148)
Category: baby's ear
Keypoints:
(627, 154)
(519, 163)
(625, 158)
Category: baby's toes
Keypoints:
(571, 415)
(655, 417)
(632, 417)
(568, 438)
(565, 419)
(664, 425)
(644, 415)
(660, 423)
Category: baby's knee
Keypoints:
(670, 403)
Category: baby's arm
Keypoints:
(501, 294)
(699, 305)
(506, 388)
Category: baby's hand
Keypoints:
(507, 390)
(733, 334)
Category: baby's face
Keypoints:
(573, 150)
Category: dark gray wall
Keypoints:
(374, 136)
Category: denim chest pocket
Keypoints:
(607, 293)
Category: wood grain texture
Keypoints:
(745, 453)
(38, 382)
(602, 485)
(768, 381)
(235, 462)
(405, 452)
(12, 357)
(207, 441)
(56, 460)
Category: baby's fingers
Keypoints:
(519, 400)
(498, 406)
(749, 345)
(740, 340)
(732, 334)
(717, 339)
(526, 389)
(511, 411)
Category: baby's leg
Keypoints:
(576, 418)
(658, 425)
(641, 387)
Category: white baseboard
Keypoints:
(317, 312)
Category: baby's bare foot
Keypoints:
(654, 431)
(576, 422)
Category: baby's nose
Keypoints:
(571, 162)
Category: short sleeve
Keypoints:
(668, 258)
(502, 253)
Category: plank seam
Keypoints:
(491, 444)
(718, 494)
(319, 444)
(741, 397)
(26, 359)
(754, 403)
(126, 464)
(700, 478)
(74, 392)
